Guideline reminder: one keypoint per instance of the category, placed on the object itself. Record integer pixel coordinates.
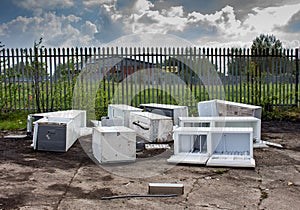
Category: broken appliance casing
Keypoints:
(233, 122)
(168, 110)
(123, 111)
(229, 147)
(215, 108)
(58, 131)
(114, 144)
(112, 121)
(151, 127)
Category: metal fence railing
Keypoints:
(39, 80)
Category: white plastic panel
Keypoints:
(151, 127)
(114, 144)
(123, 111)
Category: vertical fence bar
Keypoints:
(297, 56)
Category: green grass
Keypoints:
(13, 121)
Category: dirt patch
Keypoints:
(71, 180)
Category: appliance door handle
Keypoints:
(138, 123)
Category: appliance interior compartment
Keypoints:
(227, 147)
(114, 144)
(191, 145)
(231, 147)
(253, 122)
(58, 131)
(151, 127)
(123, 111)
(215, 108)
(168, 110)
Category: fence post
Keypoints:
(297, 77)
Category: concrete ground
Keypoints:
(72, 180)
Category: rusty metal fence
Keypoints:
(39, 80)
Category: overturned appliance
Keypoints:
(231, 147)
(123, 111)
(112, 121)
(215, 108)
(151, 127)
(114, 144)
(57, 131)
(233, 122)
(168, 110)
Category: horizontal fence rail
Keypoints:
(40, 80)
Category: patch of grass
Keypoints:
(292, 115)
(13, 121)
(221, 171)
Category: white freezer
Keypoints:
(114, 144)
(174, 111)
(253, 122)
(151, 127)
(215, 108)
(58, 131)
(232, 147)
(123, 111)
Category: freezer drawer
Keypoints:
(123, 111)
(114, 144)
(168, 110)
(151, 127)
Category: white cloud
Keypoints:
(142, 6)
(89, 28)
(48, 4)
(91, 3)
(267, 19)
(57, 31)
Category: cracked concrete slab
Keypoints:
(45, 180)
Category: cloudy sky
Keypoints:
(92, 23)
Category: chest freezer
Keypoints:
(123, 111)
(58, 131)
(114, 144)
(151, 127)
(236, 122)
(168, 110)
(215, 108)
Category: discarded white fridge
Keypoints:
(114, 144)
(151, 127)
(173, 111)
(123, 111)
(58, 131)
(233, 122)
(215, 108)
(231, 147)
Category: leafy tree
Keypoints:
(266, 42)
